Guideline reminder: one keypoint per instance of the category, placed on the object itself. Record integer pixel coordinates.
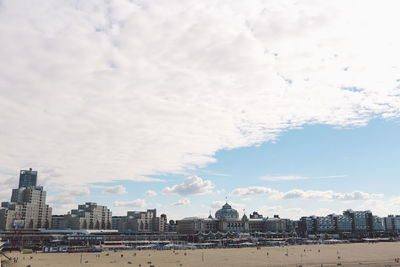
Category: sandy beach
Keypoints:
(377, 254)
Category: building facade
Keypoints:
(392, 223)
(143, 222)
(227, 220)
(27, 208)
(88, 216)
(115, 220)
(351, 221)
(27, 178)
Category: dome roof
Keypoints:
(227, 213)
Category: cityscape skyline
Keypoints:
(28, 187)
(27, 210)
(283, 107)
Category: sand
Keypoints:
(377, 254)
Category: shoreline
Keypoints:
(354, 254)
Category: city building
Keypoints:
(255, 215)
(172, 226)
(227, 220)
(58, 222)
(277, 225)
(89, 216)
(27, 178)
(143, 222)
(343, 223)
(325, 224)
(362, 220)
(115, 222)
(307, 225)
(27, 208)
(377, 224)
(392, 223)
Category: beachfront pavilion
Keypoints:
(226, 220)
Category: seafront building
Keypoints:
(88, 216)
(227, 220)
(115, 220)
(27, 208)
(392, 223)
(143, 222)
(350, 221)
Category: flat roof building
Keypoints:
(27, 178)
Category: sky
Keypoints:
(281, 107)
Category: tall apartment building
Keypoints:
(350, 221)
(325, 224)
(343, 223)
(143, 222)
(307, 225)
(88, 216)
(362, 220)
(392, 223)
(27, 208)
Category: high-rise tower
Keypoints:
(27, 178)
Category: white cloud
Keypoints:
(150, 193)
(165, 84)
(327, 195)
(283, 212)
(219, 192)
(192, 185)
(381, 207)
(274, 178)
(301, 194)
(181, 202)
(282, 178)
(253, 190)
(6, 186)
(66, 200)
(138, 203)
(217, 204)
(117, 190)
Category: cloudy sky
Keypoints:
(284, 107)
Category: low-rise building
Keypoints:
(143, 222)
(277, 224)
(227, 220)
(89, 216)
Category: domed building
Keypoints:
(227, 213)
(226, 220)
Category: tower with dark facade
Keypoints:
(27, 178)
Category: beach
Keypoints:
(365, 254)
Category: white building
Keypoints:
(143, 222)
(26, 210)
(88, 216)
(226, 220)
